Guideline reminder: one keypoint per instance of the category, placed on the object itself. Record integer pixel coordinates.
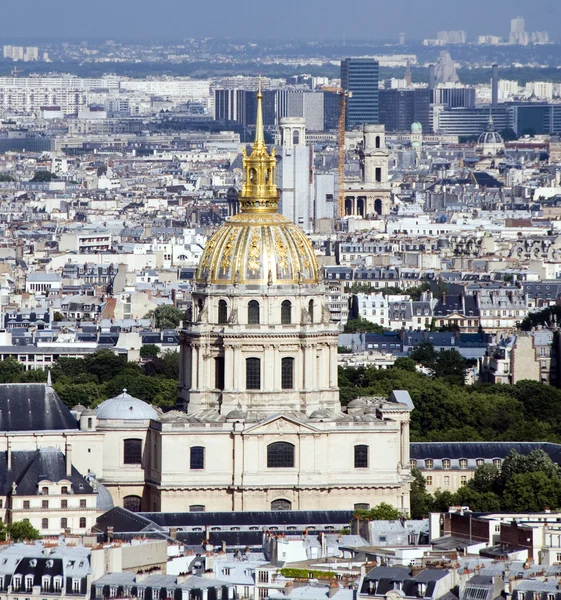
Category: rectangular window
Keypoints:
(463, 463)
(463, 479)
(446, 464)
(64, 504)
(219, 372)
(26, 504)
(446, 480)
(428, 479)
(428, 463)
(83, 503)
(44, 504)
(44, 523)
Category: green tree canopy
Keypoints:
(44, 176)
(22, 530)
(168, 317)
(381, 512)
(149, 351)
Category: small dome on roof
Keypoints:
(125, 407)
(357, 403)
(79, 408)
(88, 413)
(236, 414)
(416, 127)
(321, 413)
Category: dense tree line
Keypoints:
(102, 375)
(447, 410)
(529, 483)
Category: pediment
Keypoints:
(281, 424)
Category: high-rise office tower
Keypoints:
(360, 76)
(518, 33)
(400, 108)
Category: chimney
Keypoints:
(109, 533)
(333, 589)
(495, 86)
(173, 533)
(68, 459)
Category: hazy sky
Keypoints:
(303, 19)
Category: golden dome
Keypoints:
(259, 245)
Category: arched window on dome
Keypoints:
(280, 455)
(286, 312)
(132, 452)
(222, 312)
(132, 503)
(287, 373)
(253, 373)
(311, 310)
(253, 312)
(281, 504)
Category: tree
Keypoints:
(420, 499)
(11, 371)
(531, 492)
(405, 364)
(344, 350)
(451, 365)
(485, 479)
(425, 354)
(360, 325)
(58, 316)
(478, 502)
(6, 177)
(168, 317)
(43, 176)
(381, 512)
(149, 351)
(105, 364)
(22, 530)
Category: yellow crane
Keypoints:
(343, 95)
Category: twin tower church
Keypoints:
(258, 425)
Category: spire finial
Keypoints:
(49, 381)
(259, 133)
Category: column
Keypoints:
(308, 367)
(228, 368)
(333, 369)
(269, 369)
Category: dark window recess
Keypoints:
(253, 312)
(132, 503)
(280, 455)
(361, 457)
(287, 373)
(197, 458)
(132, 454)
(219, 372)
(253, 373)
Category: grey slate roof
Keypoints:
(33, 407)
(485, 450)
(31, 466)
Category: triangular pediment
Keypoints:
(281, 424)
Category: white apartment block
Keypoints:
(540, 89)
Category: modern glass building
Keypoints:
(360, 76)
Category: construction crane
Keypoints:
(343, 95)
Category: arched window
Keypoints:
(197, 508)
(377, 141)
(287, 373)
(132, 503)
(132, 452)
(286, 312)
(197, 458)
(281, 504)
(253, 312)
(90, 422)
(280, 455)
(361, 457)
(45, 491)
(253, 373)
(296, 137)
(64, 490)
(222, 312)
(311, 310)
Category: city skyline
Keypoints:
(176, 19)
